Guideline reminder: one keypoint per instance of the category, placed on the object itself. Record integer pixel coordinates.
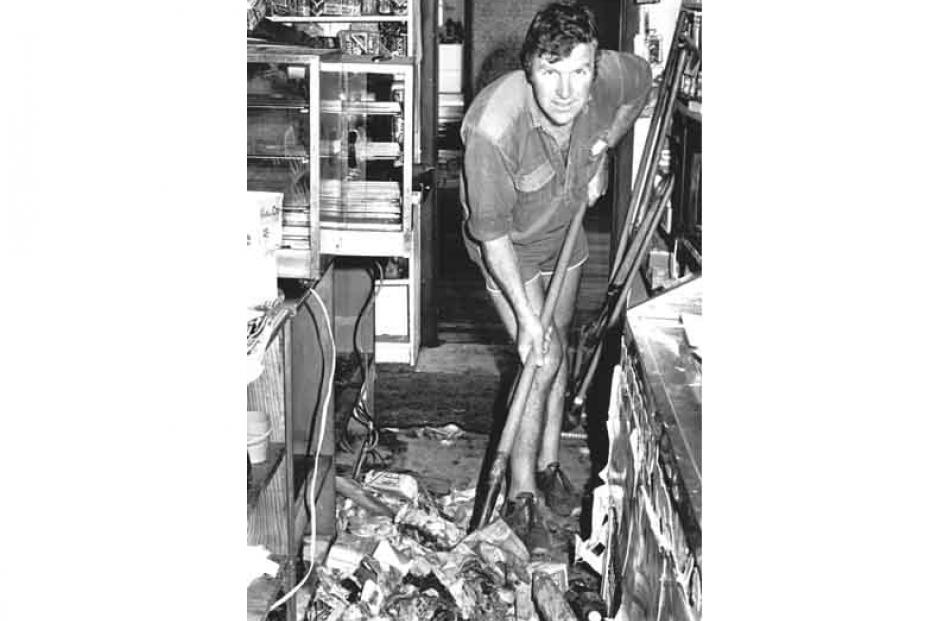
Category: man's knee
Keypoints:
(553, 360)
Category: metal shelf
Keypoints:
(280, 158)
(339, 19)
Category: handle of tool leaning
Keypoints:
(659, 125)
(636, 251)
(526, 378)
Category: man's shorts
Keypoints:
(536, 260)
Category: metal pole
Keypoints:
(658, 128)
(654, 219)
(643, 184)
(291, 573)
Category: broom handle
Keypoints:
(526, 377)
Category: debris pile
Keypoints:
(401, 554)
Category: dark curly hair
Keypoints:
(555, 30)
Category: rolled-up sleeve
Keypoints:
(489, 188)
(626, 78)
(624, 83)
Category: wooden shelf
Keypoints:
(261, 474)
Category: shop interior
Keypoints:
(378, 372)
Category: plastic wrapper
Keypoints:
(458, 506)
(500, 534)
(411, 604)
(347, 552)
(431, 528)
(445, 434)
(356, 612)
(557, 572)
(330, 598)
(372, 526)
(396, 484)
(473, 586)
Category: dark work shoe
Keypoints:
(559, 494)
(522, 516)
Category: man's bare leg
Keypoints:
(524, 452)
(563, 316)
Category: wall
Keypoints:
(496, 30)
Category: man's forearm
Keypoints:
(502, 262)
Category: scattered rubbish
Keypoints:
(348, 551)
(392, 483)
(586, 602)
(549, 599)
(557, 572)
(431, 528)
(403, 553)
(352, 490)
(458, 506)
(524, 606)
(446, 435)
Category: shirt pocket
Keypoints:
(533, 180)
(536, 186)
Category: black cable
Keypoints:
(370, 300)
(360, 411)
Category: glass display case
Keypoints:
(372, 180)
(369, 209)
(285, 143)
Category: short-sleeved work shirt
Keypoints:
(515, 180)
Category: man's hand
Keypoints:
(598, 184)
(532, 338)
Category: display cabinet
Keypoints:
(285, 137)
(372, 211)
(367, 204)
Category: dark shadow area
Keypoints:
(499, 61)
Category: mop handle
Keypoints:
(526, 378)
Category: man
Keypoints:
(535, 152)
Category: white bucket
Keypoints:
(258, 436)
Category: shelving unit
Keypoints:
(357, 19)
(377, 214)
(370, 140)
(283, 140)
(276, 517)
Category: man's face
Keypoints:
(561, 87)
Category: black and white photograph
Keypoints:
(477, 323)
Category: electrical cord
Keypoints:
(311, 489)
(361, 412)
